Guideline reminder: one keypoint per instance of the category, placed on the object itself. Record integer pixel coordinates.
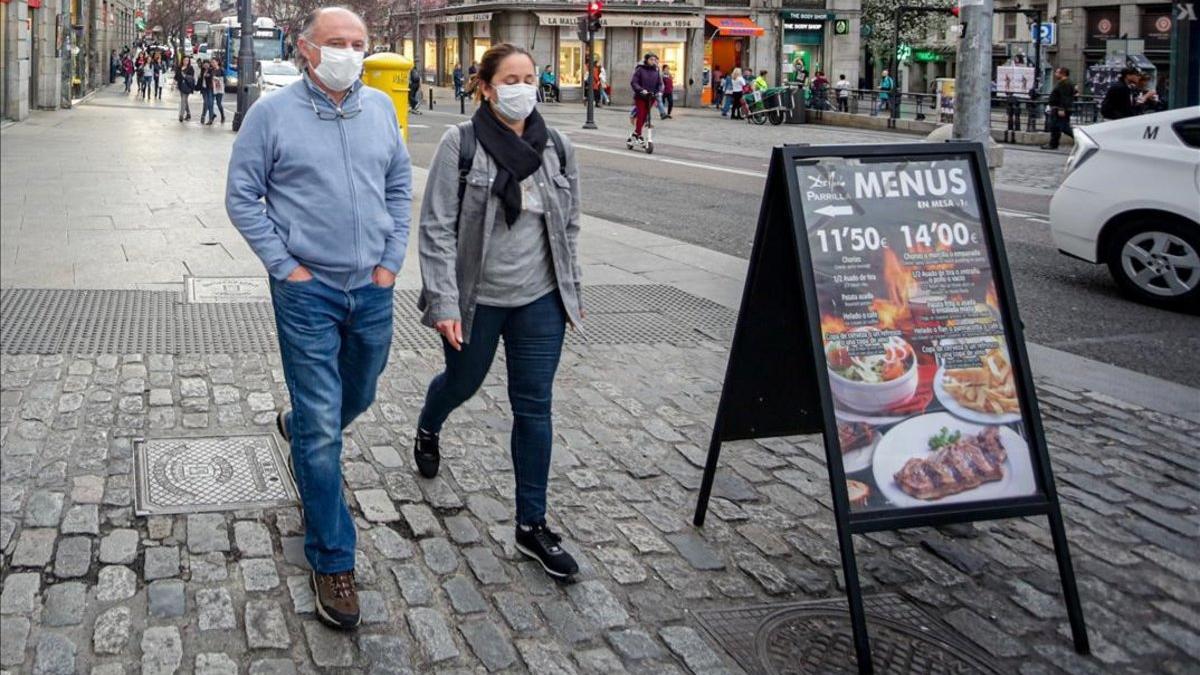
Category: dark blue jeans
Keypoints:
(533, 339)
(334, 345)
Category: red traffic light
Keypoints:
(595, 7)
(954, 10)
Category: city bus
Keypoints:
(224, 41)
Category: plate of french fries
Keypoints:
(986, 393)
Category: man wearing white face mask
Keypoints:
(320, 186)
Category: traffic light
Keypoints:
(594, 10)
(581, 29)
(954, 11)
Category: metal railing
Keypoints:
(1009, 114)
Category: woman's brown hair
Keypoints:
(491, 61)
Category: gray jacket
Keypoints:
(452, 252)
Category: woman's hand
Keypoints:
(451, 329)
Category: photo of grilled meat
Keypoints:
(855, 435)
(965, 464)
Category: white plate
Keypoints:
(949, 403)
(910, 439)
(852, 415)
(860, 458)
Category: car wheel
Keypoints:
(1157, 262)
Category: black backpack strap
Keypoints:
(466, 156)
(560, 149)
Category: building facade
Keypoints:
(56, 51)
(692, 37)
(1088, 29)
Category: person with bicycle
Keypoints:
(646, 84)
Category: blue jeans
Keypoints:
(533, 340)
(334, 345)
(208, 105)
(219, 104)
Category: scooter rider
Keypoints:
(646, 84)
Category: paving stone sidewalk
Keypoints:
(89, 587)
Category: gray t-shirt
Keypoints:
(518, 267)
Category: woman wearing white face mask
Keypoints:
(499, 225)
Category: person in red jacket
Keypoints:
(668, 91)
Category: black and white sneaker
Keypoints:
(282, 428)
(539, 543)
(281, 425)
(427, 454)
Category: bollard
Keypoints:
(388, 73)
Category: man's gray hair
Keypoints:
(310, 22)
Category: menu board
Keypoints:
(921, 377)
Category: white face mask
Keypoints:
(339, 67)
(515, 101)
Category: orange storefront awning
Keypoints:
(735, 26)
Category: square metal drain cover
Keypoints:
(815, 637)
(210, 473)
(227, 289)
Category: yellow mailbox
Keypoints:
(388, 73)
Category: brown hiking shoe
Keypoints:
(336, 599)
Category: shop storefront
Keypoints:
(803, 44)
(675, 32)
(727, 42)
(1156, 35)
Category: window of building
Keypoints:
(570, 64)
(670, 46)
(1010, 27)
(451, 56)
(429, 61)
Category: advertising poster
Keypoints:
(1014, 80)
(921, 376)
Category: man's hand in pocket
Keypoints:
(383, 277)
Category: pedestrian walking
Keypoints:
(320, 186)
(414, 90)
(726, 94)
(499, 259)
(185, 83)
(668, 91)
(819, 91)
(843, 93)
(1121, 99)
(138, 64)
(204, 83)
(737, 89)
(718, 87)
(886, 84)
(147, 73)
(605, 87)
(1061, 102)
(159, 68)
(458, 81)
(646, 83)
(114, 66)
(218, 90)
(549, 84)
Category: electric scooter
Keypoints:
(646, 142)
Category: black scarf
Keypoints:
(517, 157)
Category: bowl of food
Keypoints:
(870, 374)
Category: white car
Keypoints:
(275, 75)
(1131, 200)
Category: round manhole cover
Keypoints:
(809, 641)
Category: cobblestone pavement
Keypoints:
(88, 587)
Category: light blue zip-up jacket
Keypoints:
(334, 195)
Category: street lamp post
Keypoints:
(245, 64)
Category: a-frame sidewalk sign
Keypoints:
(879, 311)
